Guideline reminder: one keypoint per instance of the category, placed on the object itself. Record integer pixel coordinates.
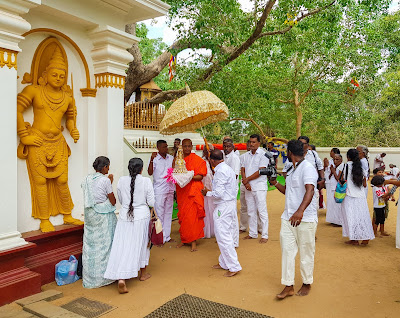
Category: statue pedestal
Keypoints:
(16, 279)
(51, 248)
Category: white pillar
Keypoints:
(110, 61)
(11, 28)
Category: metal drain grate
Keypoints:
(187, 306)
(88, 308)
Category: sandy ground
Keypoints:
(349, 281)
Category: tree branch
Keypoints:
(257, 34)
(245, 45)
(329, 92)
(286, 101)
(167, 95)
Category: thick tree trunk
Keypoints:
(299, 114)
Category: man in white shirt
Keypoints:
(299, 221)
(224, 194)
(233, 161)
(163, 191)
(256, 188)
(378, 161)
(244, 218)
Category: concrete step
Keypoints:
(47, 295)
(45, 309)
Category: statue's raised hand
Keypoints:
(32, 141)
(75, 134)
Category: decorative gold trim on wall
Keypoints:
(78, 50)
(88, 92)
(8, 57)
(109, 80)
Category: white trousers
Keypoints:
(164, 204)
(293, 239)
(244, 218)
(257, 201)
(224, 217)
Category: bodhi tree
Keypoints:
(222, 27)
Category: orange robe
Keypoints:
(191, 202)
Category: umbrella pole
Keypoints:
(208, 149)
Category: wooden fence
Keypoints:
(143, 115)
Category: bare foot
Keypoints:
(144, 277)
(263, 241)
(194, 247)
(351, 242)
(171, 241)
(248, 237)
(180, 245)
(385, 234)
(364, 243)
(122, 287)
(161, 245)
(217, 266)
(304, 290)
(230, 274)
(46, 226)
(287, 291)
(242, 231)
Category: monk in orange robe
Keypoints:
(190, 200)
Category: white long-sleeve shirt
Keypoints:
(223, 184)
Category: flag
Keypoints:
(172, 67)
(354, 82)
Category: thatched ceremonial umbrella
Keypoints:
(193, 111)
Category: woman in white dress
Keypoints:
(209, 205)
(356, 219)
(330, 184)
(130, 251)
(334, 210)
(363, 155)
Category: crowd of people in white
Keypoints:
(128, 250)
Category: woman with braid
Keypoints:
(356, 219)
(130, 251)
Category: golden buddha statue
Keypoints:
(180, 165)
(43, 144)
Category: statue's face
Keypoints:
(55, 77)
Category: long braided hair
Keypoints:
(135, 167)
(357, 171)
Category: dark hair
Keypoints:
(339, 155)
(336, 151)
(100, 163)
(178, 139)
(313, 147)
(216, 154)
(383, 154)
(377, 180)
(376, 170)
(135, 167)
(270, 143)
(256, 136)
(295, 147)
(228, 140)
(357, 170)
(304, 138)
(160, 142)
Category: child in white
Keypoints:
(164, 191)
(380, 196)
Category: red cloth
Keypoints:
(241, 146)
(191, 202)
